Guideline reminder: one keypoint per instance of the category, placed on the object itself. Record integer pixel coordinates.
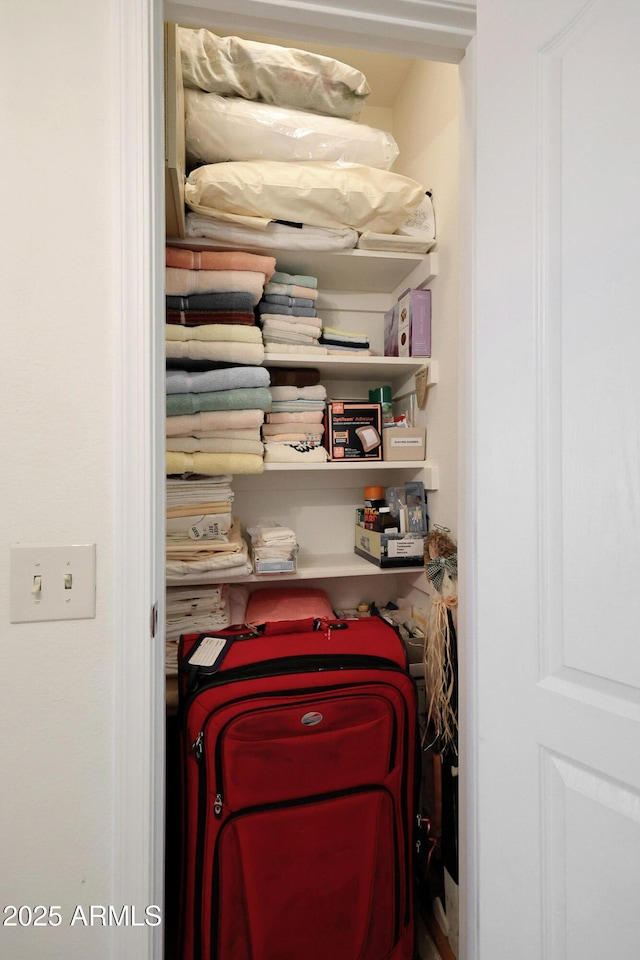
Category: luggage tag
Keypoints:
(209, 652)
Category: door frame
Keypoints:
(443, 31)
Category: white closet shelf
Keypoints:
(322, 566)
(371, 271)
(355, 368)
(430, 472)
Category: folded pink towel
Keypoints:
(188, 424)
(220, 260)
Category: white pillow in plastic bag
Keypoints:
(282, 76)
(231, 128)
(321, 194)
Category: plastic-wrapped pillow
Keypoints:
(312, 192)
(283, 76)
(231, 128)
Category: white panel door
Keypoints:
(557, 407)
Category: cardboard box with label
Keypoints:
(389, 549)
(353, 430)
(404, 443)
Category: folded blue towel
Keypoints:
(231, 378)
(299, 279)
(289, 301)
(264, 307)
(246, 398)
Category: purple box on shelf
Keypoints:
(413, 311)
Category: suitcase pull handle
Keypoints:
(327, 625)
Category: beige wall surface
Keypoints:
(60, 277)
(425, 126)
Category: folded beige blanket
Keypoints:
(215, 445)
(301, 349)
(306, 416)
(294, 438)
(213, 506)
(350, 353)
(317, 392)
(273, 429)
(191, 558)
(182, 283)
(291, 290)
(211, 464)
(253, 434)
(248, 353)
(277, 319)
(227, 332)
(279, 326)
(223, 260)
(217, 524)
(279, 336)
(187, 424)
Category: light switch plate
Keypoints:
(50, 582)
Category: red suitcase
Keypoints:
(299, 769)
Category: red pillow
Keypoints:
(273, 604)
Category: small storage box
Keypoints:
(389, 549)
(264, 562)
(353, 430)
(407, 326)
(404, 443)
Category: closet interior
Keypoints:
(416, 103)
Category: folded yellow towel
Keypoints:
(219, 352)
(211, 464)
(235, 332)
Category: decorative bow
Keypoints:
(435, 569)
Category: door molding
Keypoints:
(427, 29)
(137, 873)
(139, 706)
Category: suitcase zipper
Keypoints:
(298, 802)
(289, 665)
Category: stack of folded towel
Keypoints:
(345, 342)
(214, 350)
(203, 542)
(200, 609)
(288, 314)
(293, 430)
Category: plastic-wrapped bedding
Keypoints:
(272, 236)
(282, 76)
(231, 128)
(321, 194)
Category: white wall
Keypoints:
(425, 126)
(59, 269)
